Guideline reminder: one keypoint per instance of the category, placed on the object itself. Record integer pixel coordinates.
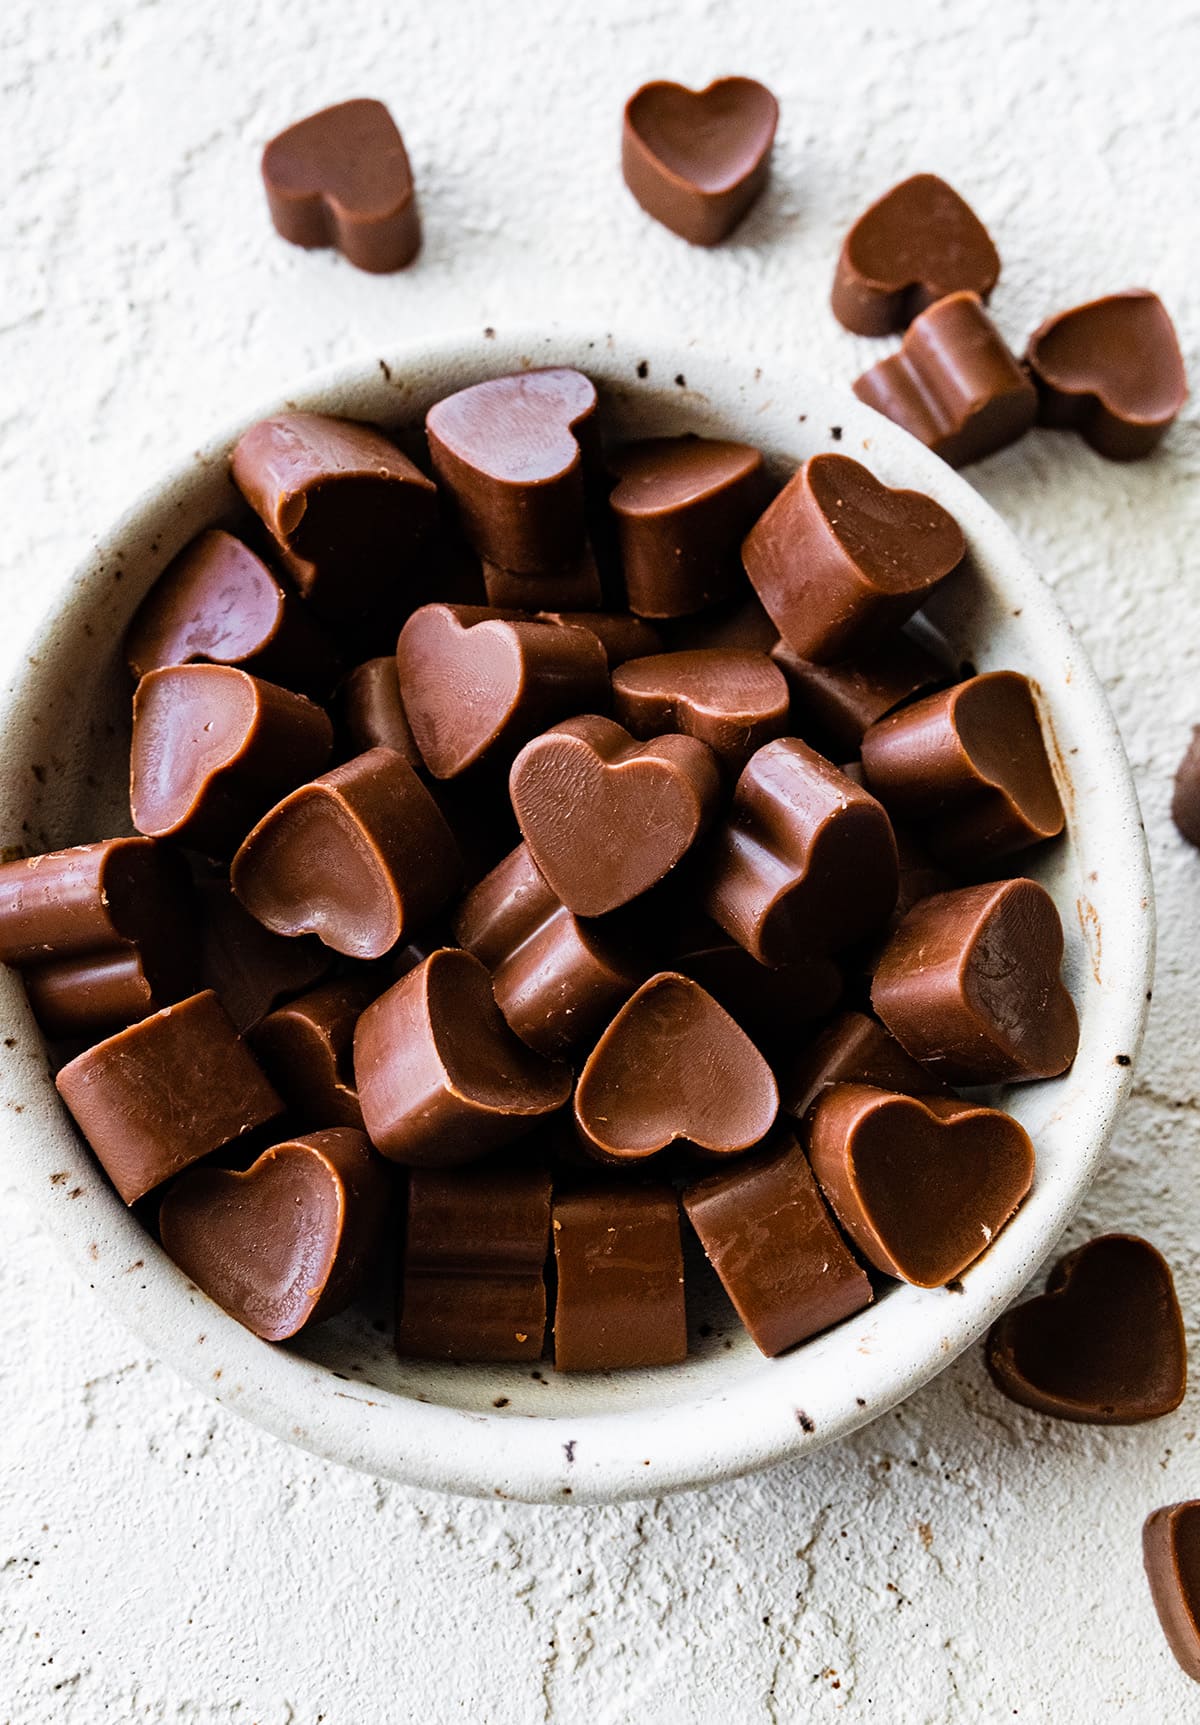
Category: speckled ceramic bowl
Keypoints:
(510, 1431)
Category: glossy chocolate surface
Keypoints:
(834, 706)
(473, 1281)
(219, 604)
(917, 243)
(630, 812)
(768, 1235)
(358, 857)
(772, 1005)
(970, 984)
(306, 1049)
(213, 748)
(509, 452)
(371, 710)
(806, 860)
(91, 899)
(839, 559)
(673, 1067)
(619, 1266)
(1171, 1553)
(622, 636)
(954, 385)
(250, 969)
(573, 585)
(167, 1091)
(341, 178)
(557, 979)
(1104, 1345)
(852, 1049)
(441, 1078)
(968, 768)
(682, 506)
(1112, 370)
(922, 1185)
(735, 701)
(696, 160)
(289, 1241)
(477, 684)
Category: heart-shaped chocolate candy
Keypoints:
(512, 452)
(839, 558)
(1104, 1345)
(1171, 1552)
(806, 860)
(306, 1049)
(341, 178)
(605, 817)
(734, 701)
(478, 683)
(1112, 371)
(922, 1185)
(213, 747)
(673, 1067)
(441, 1077)
(969, 768)
(356, 857)
(697, 159)
(288, 1241)
(914, 245)
(970, 985)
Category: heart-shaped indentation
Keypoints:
(341, 178)
(605, 817)
(213, 747)
(512, 451)
(478, 683)
(1112, 370)
(1171, 1552)
(1103, 1345)
(916, 244)
(288, 1241)
(732, 700)
(922, 1185)
(357, 857)
(969, 768)
(970, 985)
(673, 1067)
(697, 159)
(954, 385)
(839, 559)
(806, 860)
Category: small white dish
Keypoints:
(510, 1432)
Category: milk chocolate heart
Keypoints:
(970, 985)
(371, 710)
(673, 1067)
(212, 748)
(356, 857)
(605, 817)
(839, 559)
(1171, 1552)
(697, 159)
(732, 700)
(805, 861)
(306, 1049)
(852, 1049)
(954, 385)
(478, 683)
(682, 506)
(341, 178)
(969, 768)
(835, 705)
(289, 1241)
(218, 602)
(441, 1077)
(1104, 1345)
(772, 1005)
(922, 1185)
(250, 969)
(511, 452)
(1111, 370)
(916, 244)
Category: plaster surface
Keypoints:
(162, 1561)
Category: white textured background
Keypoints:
(161, 1561)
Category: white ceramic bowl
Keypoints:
(340, 1391)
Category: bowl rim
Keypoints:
(593, 1457)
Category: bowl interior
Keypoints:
(341, 1390)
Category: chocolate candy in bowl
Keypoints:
(582, 1436)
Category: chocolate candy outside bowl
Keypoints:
(587, 1436)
